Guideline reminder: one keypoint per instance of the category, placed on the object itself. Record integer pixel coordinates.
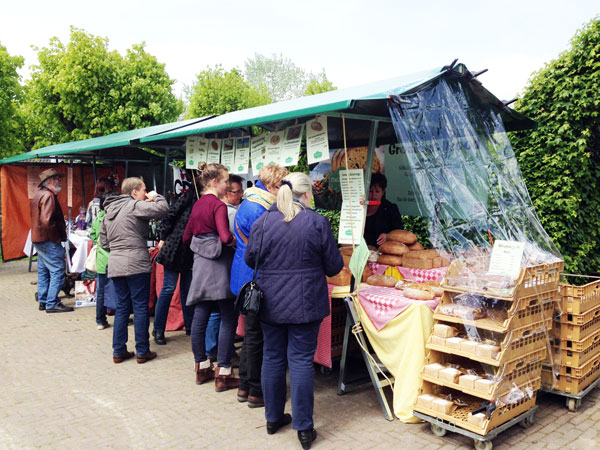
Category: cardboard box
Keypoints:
(445, 331)
(484, 385)
(477, 419)
(443, 406)
(436, 340)
(426, 400)
(469, 346)
(433, 370)
(468, 381)
(487, 350)
(454, 342)
(449, 374)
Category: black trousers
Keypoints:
(251, 357)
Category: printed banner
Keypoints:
(273, 148)
(242, 155)
(258, 145)
(228, 153)
(291, 145)
(317, 143)
(214, 151)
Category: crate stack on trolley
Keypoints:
(486, 351)
(573, 365)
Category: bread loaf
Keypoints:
(341, 279)
(347, 250)
(406, 237)
(390, 260)
(418, 292)
(416, 262)
(381, 280)
(416, 246)
(435, 287)
(346, 259)
(393, 248)
(366, 274)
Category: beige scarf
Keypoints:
(260, 196)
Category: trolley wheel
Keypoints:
(437, 430)
(527, 421)
(325, 370)
(573, 404)
(482, 445)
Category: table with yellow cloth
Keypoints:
(398, 329)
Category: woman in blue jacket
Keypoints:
(298, 251)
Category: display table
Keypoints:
(400, 342)
(418, 275)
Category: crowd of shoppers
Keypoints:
(210, 240)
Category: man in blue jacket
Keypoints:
(258, 199)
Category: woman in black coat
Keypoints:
(177, 259)
(382, 215)
(297, 252)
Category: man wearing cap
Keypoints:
(47, 232)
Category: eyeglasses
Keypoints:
(235, 192)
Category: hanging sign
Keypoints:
(317, 143)
(352, 186)
(258, 145)
(214, 151)
(291, 145)
(506, 258)
(273, 148)
(242, 155)
(195, 151)
(228, 153)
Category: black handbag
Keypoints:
(250, 296)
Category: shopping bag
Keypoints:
(85, 293)
(90, 261)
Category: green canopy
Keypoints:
(122, 144)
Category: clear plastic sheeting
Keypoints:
(466, 176)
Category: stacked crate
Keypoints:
(574, 363)
(505, 376)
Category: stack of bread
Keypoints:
(343, 278)
(403, 249)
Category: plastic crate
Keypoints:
(567, 383)
(571, 332)
(578, 372)
(580, 299)
(580, 319)
(573, 358)
(577, 346)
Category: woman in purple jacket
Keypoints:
(298, 251)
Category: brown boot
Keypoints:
(203, 375)
(225, 382)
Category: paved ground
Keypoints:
(60, 389)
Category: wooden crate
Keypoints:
(579, 299)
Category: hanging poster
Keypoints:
(242, 155)
(317, 143)
(258, 145)
(228, 153)
(273, 148)
(352, 186)
(291, 145)
(195, 151)
(214, 151)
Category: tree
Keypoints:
(284, 80)
(217, 91)
(319, 84)
(560, 160)
(10, 95)
(82, 90)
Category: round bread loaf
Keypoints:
(341, 279)
(347, 251)
(381, 280)
(416, 247)
(366, 274)
(390, 260)
(393, 248)
(406, 237)
(346, 259)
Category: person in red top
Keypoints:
(207, 233)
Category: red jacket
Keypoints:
(47, 219)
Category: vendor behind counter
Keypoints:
(383, 217)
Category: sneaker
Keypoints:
(102, 325)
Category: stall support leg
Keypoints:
(165, 167)
(94, 169)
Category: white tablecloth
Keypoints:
(81, 252)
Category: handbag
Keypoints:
(250, 296)
(90, 261)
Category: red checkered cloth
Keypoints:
(382, 304)
(418, 275)
(323, 352)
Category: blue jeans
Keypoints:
(133, 293)
(100, 308)
(212, 333)
(226, 333)
(293, 345)
(161, 311)
(51, 271)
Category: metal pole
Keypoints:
(165, 166)
(154, 176)
(126, 168)
(94, 168)
(82, 187)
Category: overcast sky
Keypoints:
(355, 42)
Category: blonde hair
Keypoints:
(272, 175)
(300, 185)
(212, 171)
(130, 184)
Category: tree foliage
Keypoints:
(318, 84)
(82, 90)
(560, 160)
(217, 91)
(10, 95)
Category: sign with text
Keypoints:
(242, 155)
(506, 258)
(258, 145)
(317, 143)
(291, 145)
